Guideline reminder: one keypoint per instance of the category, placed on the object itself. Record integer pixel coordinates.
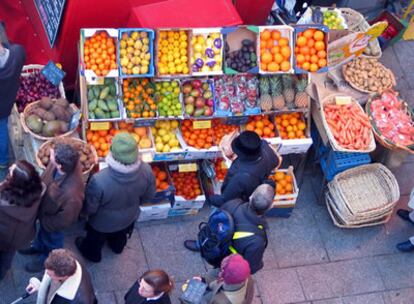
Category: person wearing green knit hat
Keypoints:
(113, 196)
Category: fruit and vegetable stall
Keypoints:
(180, 91)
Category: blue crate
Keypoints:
(341, 161)
(151, 37)
(316, 138)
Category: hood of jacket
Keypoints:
(9, 69)
(121, 172)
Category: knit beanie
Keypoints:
(234, 269)
(124, 149)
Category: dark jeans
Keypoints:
(46, 241)
(6, 258)
(92, 244)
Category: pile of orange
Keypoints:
(310, 50)
(161, 178)
(197, 138)
(140, 134)
(221, 169)
(138, 98)
(186, 184)
(99, 53)
(291, 126)
(220, 129)
(101, 140)
(275, 52)
(284, 182)
(262, 126)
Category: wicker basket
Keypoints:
(363, 90)
(377, 133)
(335, 145)
(361, 196)
(357, 23)
(37, 136)
(68, 140)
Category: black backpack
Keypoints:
(216, 236)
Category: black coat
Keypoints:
(10, 79)
(244, 177)
(250, 248)
(133, 297)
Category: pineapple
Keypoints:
(265, 99)
(301, 98)
(288, 91)
(276, 91)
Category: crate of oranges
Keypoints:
(294, 131)
(311, 54)
(276, 49)
(138, 98)
(286, 191)
(197, 137)
(165, 189)
(264, 126)
(98, 53)
(173, 50)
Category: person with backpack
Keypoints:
(255, 160)
(238, 227)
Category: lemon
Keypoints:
(174, 124)
(123, 44)
(145, 48)
(124, 61)
(166, 138)
(173, 143)
(179, 69)
(166, 149)
(185, 70)
(159, 146)
(183, 52)
(130, 42)
(144, 70)
(172, 70)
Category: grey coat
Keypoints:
(114, 194)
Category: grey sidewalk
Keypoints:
(308, 260)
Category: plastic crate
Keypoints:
(341, 161)
(317, 141)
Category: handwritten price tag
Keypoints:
(343, 100)
(190, 167)
(201, 124)
(102, 125)
(147, 157)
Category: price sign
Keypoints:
(237, 120)
(96, 81)
(74, 120)
(377, 29)
(144, 123)
(190, 167)
(53, 73)
(147, 157)
(201, 124)
(343, 100)
(102, 125)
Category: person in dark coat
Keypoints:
(234, 284)
(20, 196)
(255, 160)
(61, 204)
(113, 197)
(153, 287)
(65, 281)
(250, 215)
(12, 58)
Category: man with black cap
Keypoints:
(113, 197)
(12, 58)
(254, 162)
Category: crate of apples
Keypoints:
(186, 185)
(311, 50)
(207, 52)
(291, 126)
(198, 98)
(197, 138)
(173, 52)
(99, 52)
(262, 125)
(138, 97)
(135, 52)
(276, 49)
(168, 98)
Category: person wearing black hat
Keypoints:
(254, 162)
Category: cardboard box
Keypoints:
(154, 212)
(182, 212)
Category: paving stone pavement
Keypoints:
(308, 260)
